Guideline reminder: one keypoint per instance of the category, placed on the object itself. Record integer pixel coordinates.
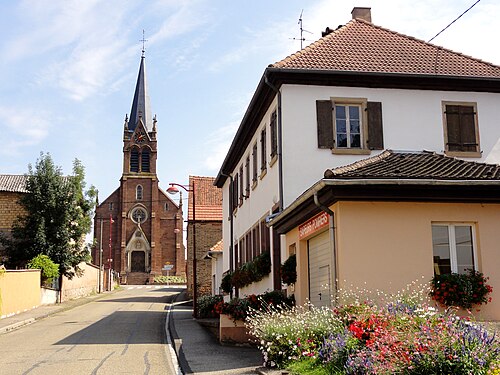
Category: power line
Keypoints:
(452, 22)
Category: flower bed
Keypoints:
(396, 334)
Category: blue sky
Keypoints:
(68, 70)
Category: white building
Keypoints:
(355, 92)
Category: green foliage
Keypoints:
(289, 270)
(58, 216)
(226, 283)
(251, 272)
(240, 308)
(206, 306)
(171, 279)
(49, 269)
(461, 290)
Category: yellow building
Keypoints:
(389, 220)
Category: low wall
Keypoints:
(19, 291)
(233, 332)
(82, 286)
(49, 296)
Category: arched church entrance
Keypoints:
(138, 261)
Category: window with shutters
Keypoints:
(254, 165)
(241, 185)
(247, 177)
(453, 248)
(273, 127)
(263, 153)
(349, 125)
(234, 193)
(461, 132)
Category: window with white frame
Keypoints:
(350, 125)
(454, 248)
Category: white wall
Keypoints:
(412, 121)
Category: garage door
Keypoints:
(319, 269)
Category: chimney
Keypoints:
(362, 13)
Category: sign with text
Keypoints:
(313, 225)
(168, 267)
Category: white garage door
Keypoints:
(319, 269)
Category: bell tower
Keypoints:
(141, 222)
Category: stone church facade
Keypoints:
(138, 228)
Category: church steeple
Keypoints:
(141, 107)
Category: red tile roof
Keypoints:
(364, 47)
(208, 199)
(415, 165)
(219, 246)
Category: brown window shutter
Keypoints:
(454, 141)
(375, 127)
(325, 123)
(468, 129)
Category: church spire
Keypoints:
(141, 107)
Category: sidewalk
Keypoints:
(30, 316)
(200, 353)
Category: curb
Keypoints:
(16, 325)
(175, 350)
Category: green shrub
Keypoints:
(289, 270)
(226, 283)
(170, 280)
(206, 306)
(49, 269)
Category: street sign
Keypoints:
(168, 267)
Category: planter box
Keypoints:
(233, 332)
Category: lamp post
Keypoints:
(190, 189)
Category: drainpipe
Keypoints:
(231, 255)
(280, 143)
(332, 241)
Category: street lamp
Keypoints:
(190, 189)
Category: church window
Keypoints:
(166, 206)
(134, 161)
(110, 206)
(139, 215)
(138, 192)
(145, 160)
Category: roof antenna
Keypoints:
(143, 41)
(302, 39)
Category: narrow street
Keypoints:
(123, 333)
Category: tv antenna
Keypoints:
(302, 30)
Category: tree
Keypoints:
(58, 215)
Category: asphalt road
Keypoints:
(120, 334)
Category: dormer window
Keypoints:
(138, 192)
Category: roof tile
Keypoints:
(208, 199)
(13, 183)
(415, 165)
(364, 47)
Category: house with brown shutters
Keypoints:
(348, 98)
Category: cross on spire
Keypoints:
(143, 40)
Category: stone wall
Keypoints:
(208, 233)
(10, 209)
(81, 286)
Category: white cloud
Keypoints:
(22, 127)
(218, 145)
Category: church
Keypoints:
(138, 228)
